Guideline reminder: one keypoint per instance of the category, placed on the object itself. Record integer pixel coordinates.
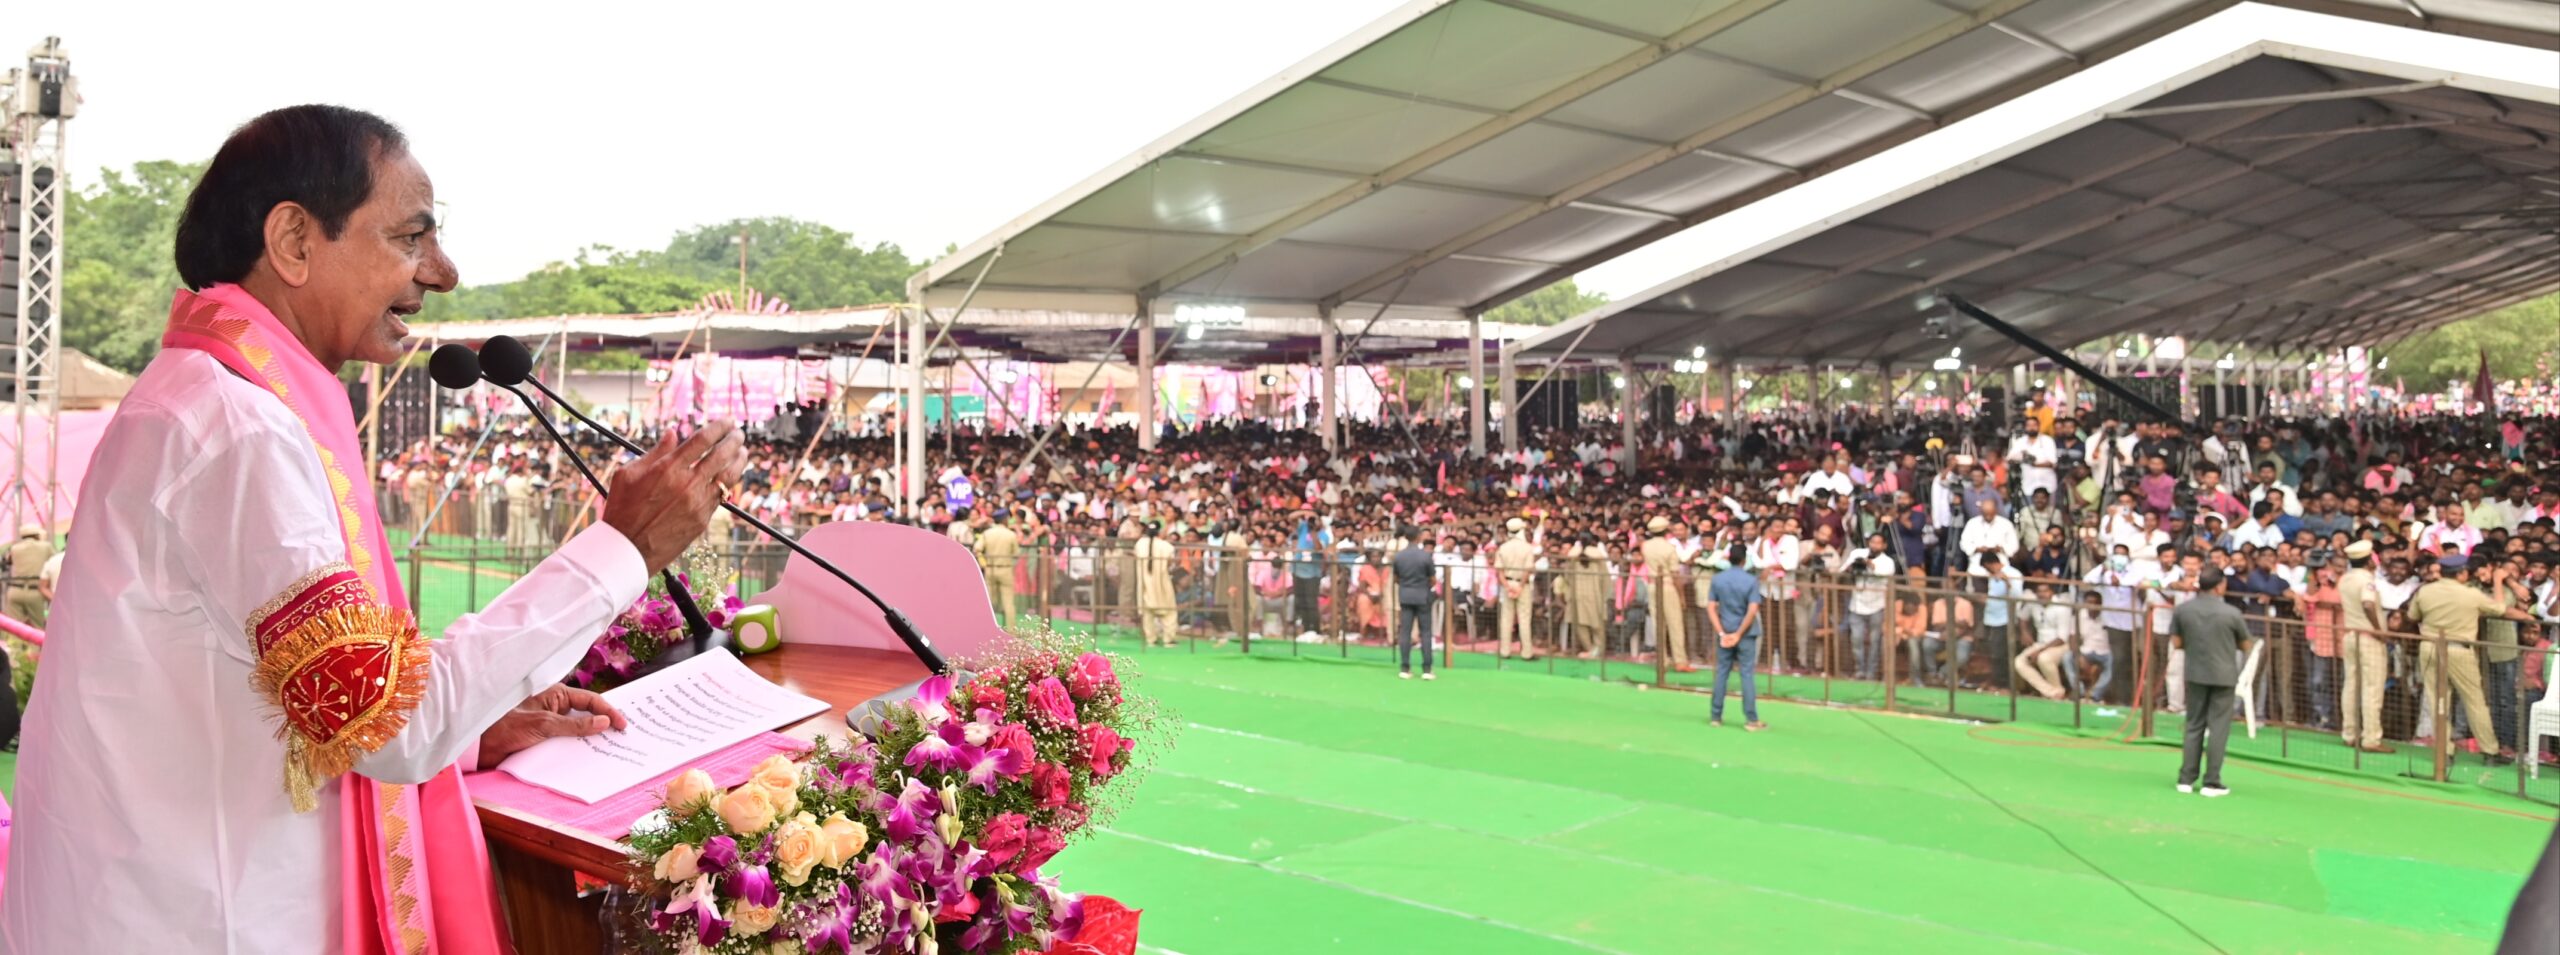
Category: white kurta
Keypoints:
(151, 811)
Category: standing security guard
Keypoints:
(998, 548)
(1517, 561)
(1662, 582)
(1155, 585)
(2215, 637)
(26, 561)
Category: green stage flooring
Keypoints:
(1313, 804)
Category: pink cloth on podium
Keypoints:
(611, 817)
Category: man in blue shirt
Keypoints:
(1999, 585)
(1735, 592)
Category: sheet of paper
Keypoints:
(677, 715)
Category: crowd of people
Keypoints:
(2023, 555)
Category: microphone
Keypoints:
(455, 367)
(506, 363)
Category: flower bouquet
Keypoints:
(652, 624)
(929, 840)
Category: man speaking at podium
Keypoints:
(243, 742)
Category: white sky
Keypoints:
(551, 126)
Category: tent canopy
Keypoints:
(2280, 196)
(1456, 154)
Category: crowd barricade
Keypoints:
(1936, 647)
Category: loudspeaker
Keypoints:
(2160, 391)
(1660, 404)
(1556, 405)
(1995, 406)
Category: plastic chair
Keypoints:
(2247, 690)
(2544, 718)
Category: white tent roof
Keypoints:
(1456, 154)
(2279, 195)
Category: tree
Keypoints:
(2522, 341)
(1547, 306)
(804, 263)
(118, 272)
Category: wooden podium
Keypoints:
(836, 648)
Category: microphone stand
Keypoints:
(698, 627)
(916, 642)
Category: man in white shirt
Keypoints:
(1870, 568)
(1834, 477)
(1987, 533)
(2259, 531)
(2036, 454)
(242, 738)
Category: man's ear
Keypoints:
(290, 233)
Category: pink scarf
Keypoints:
(415, 870)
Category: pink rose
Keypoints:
(1049, 699)
(1101, 747)
(1092, 677)
(1014, 737)
(1050, 785)
(1037, 848)
(1003, 838)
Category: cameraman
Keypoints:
(1868, 568)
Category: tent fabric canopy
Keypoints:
(1457, 154)
(2279, 199)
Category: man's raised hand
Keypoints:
(663, 502)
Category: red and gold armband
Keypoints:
(341, 670)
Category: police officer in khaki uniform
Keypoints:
(1154, 558)
(998, 548)
(1587, 599)
(1517, 561)
(1662, 576)
(26, 561)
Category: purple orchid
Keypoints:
(993, 767)
(659, 617)
(932, 700)
(754, 885)
(911, 815)
(719, 854)
(699, 898)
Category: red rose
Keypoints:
(987, 695)
(1072, 816)
(1093, 677)
(1037, 848)
(1049, 699)
(1003, 838)
(1014, 737)
(1101, 746)
(1050, 785)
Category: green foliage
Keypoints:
(1548, 306)
(804, 263)
(2522, 341)
(118, 273)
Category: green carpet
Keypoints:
(1316, 805)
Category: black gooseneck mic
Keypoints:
(507, 363)
(455, 367)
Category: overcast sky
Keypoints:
(549, 126)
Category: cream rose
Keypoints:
(786, 802)
(844, 841)
(746, 810)
(777, 772)
(747, 919)
(797, 848)
(691, 792)
(679, 864)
